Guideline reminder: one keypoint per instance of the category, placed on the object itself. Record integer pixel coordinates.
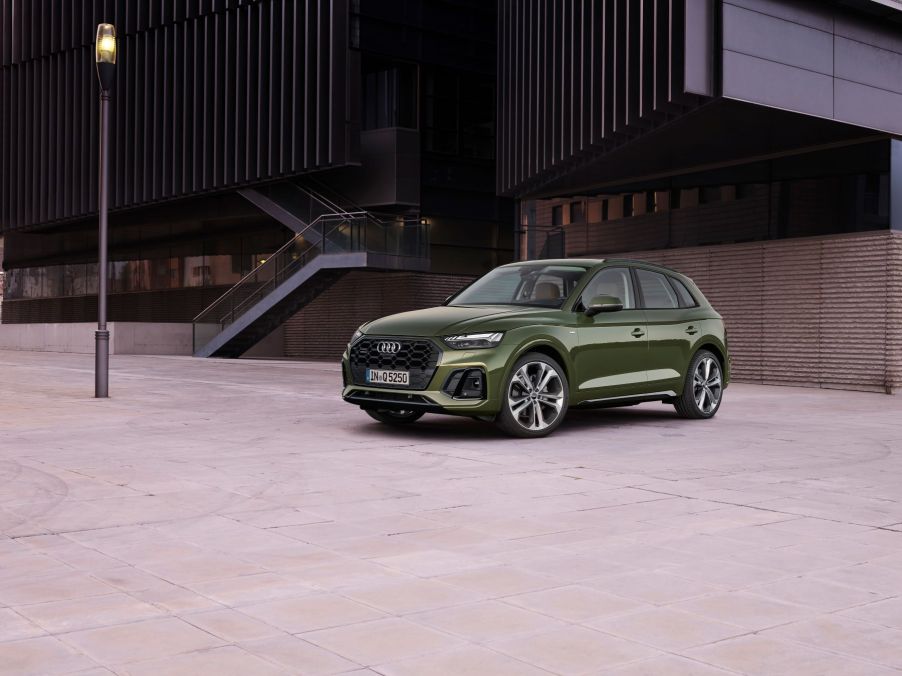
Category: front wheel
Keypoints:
(535, 397)
(394, 417)
(703, 390)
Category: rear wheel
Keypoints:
(535, 397)
(394, 417)
(703, 390)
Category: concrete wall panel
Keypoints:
(757, 80)
(786, 42)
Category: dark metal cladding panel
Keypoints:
(209, 94)
(578, 78)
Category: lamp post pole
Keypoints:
(106, 63)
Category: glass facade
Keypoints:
(149, 257)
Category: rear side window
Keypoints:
(656, 290)
(686, 299)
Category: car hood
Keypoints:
(448, 320)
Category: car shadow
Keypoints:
(448, 428)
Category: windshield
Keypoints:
(535, 284)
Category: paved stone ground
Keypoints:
(220, 517)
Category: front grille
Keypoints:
(418, 357)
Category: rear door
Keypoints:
(670, 330)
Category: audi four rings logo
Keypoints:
(389, 347)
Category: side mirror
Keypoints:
(603, 304)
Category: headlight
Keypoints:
(354, 338)
(474, 340)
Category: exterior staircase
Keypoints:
(328, 242)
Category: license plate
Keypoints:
(381, 377)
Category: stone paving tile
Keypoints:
(311, 612)
(231, 626)
(44, 656)
(93, 611)
(225, 661)
(466, 660)
(887, 613)
(411, 596)
(51, 587)
(746, 610)
(13, 626)
(764, 656)
(671, 665)
(657, 587)
(574, 650)
(487, 621)
(863, 640)
(497, 581)
(381, 641)
(666, 628)
(299, 656)
(574, 603)
(143, 640)
(243, 503)
(807, 591)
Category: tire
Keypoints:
(703, 390)
(394, 417)
(527, 411)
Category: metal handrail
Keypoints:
(350, 232)
(275, 254)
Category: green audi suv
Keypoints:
(527, 341)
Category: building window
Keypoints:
(390, 98)
(557, 215)
(709, 194)
(604, 210)
(458, 115)
(627, 205)
(577, 212)
(651, 202)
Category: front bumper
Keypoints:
(433, 399)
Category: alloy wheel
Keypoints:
(535, 395)
(707, 385)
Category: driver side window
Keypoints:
(611, 282)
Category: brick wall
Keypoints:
(322, 329)
(814, 311)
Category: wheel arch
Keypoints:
(718, 351)
(549, 349)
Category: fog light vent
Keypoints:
(465, 384)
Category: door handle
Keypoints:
(691, 330)
(637, 333)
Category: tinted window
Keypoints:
(656, 290)
(611, 282)
(686, 299)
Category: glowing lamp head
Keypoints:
(106, 43)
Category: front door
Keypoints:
(610, 361)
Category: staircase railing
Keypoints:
(350, 232)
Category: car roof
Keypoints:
(594, 262)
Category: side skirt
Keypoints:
(611, 402)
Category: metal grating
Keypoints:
(578, 78)
(209, 94)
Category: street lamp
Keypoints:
(106, 68)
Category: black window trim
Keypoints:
(673, 282)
